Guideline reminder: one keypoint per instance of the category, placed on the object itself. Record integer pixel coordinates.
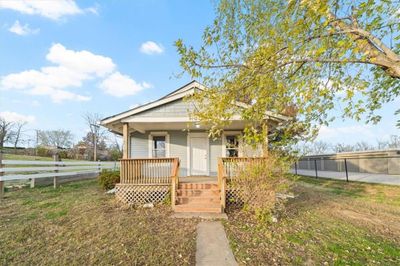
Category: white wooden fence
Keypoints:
(31, 170)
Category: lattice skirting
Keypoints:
(140, 194)
(233, 198)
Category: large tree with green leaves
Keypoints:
(310, 56)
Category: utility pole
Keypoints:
(95, 131)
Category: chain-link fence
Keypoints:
(374, 169)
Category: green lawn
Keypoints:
(78, 224)
(330, 222)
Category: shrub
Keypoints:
(43, 151)
(108, 179)
(259, 181)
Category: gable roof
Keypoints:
(177, 94)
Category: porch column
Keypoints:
(126, 140)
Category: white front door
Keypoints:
(199, 156)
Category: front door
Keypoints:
(198, 154)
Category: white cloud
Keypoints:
(119, 85)
(52, 9)
(16, 117)
(71, 70)
(20, 29)
(151, 48)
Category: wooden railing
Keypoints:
(174, 182)
(222, 183)
(232, 165)
(149, 171)
(228, 168)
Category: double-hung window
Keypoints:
(159, 147)
(232, 146)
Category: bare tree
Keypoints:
(6, 131)
(18, 132)
(341, 147)
(97, 132)
(319, 147)
(394, 142)
(363, 146)
(56, 138)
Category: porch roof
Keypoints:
(139, 123)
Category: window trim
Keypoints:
(232, 133)
(158, 134)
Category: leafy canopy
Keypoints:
(305, 57)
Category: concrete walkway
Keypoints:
(212, 247)
(354, 176)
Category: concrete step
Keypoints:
(198, 192)
(205, 200)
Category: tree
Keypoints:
(319, 147)
(308, 56)
(339, 147)
(55, 138)
(97, 133)
(18, 133)
(6, 131)
(363, 146)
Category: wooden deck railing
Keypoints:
(149, 171)
(232, 165)
(174, 182)
(228, 168)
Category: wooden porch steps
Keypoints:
(198, 197)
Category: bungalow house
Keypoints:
(164, 149)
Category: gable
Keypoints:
(178, 108)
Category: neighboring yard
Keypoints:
(78, 224)
(7, 156)
(330, 222)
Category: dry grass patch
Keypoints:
(78, 224)
(330, 222)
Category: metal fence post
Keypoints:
(99, 166)
(316, 170)
(345, 168)
(295, 167)
(1, 174)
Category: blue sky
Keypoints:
(61, 60)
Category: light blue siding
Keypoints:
(178, 148)
(177, 108)
(215, 153)
(139, 145)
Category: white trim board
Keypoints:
(231, 133)
(150, 142)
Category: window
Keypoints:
(158, 147)
(232, 146)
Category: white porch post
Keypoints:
(126, 141)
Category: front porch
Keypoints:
(155, 180)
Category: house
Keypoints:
(161, 134)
